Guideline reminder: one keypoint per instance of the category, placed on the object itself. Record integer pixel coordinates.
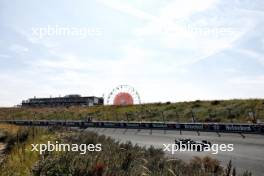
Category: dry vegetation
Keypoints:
(11, 129)
(17, 158)
(204, 111)
(116, 159)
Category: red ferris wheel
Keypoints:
(123, 95)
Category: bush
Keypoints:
(215, 102)
(121, 159)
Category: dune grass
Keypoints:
(115, 159)
(202, 111)
(125, 159)
(18, 158)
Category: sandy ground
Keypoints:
(2, 148)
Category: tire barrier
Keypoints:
(207, 127)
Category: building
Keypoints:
(66, 101)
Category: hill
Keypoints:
(237, 110)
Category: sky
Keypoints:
(168, 50)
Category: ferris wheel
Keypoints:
(123, 95)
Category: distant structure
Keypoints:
(123, 98)
(123, 95)
(66, 101)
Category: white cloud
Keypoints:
(247, 80)
(154, 48)
(4, 56)
(252, 54)
(181, 9)
(127, 8)
(174, 27)
(18, 48)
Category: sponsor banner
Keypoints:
(145, 125)
(36, 123)
(70, 123)
(193, 126)
(109, 124)
(52, 123)
(238, 128)
(21, 122)
(159, 125)
(132, 125)
(89, 124)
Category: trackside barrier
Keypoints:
(209, 127)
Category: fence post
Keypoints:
(193, 116)
(163, 119)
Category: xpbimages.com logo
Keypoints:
(189, 145)
(66, 31)
(81, 148)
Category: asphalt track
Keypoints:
(248, 151)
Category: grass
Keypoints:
(115, 159)
(125, 159)
(203, 111)
(18, 158)
(11, 129)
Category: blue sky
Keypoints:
(168, 50)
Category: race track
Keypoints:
(248, 151)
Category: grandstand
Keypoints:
(66, 101)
